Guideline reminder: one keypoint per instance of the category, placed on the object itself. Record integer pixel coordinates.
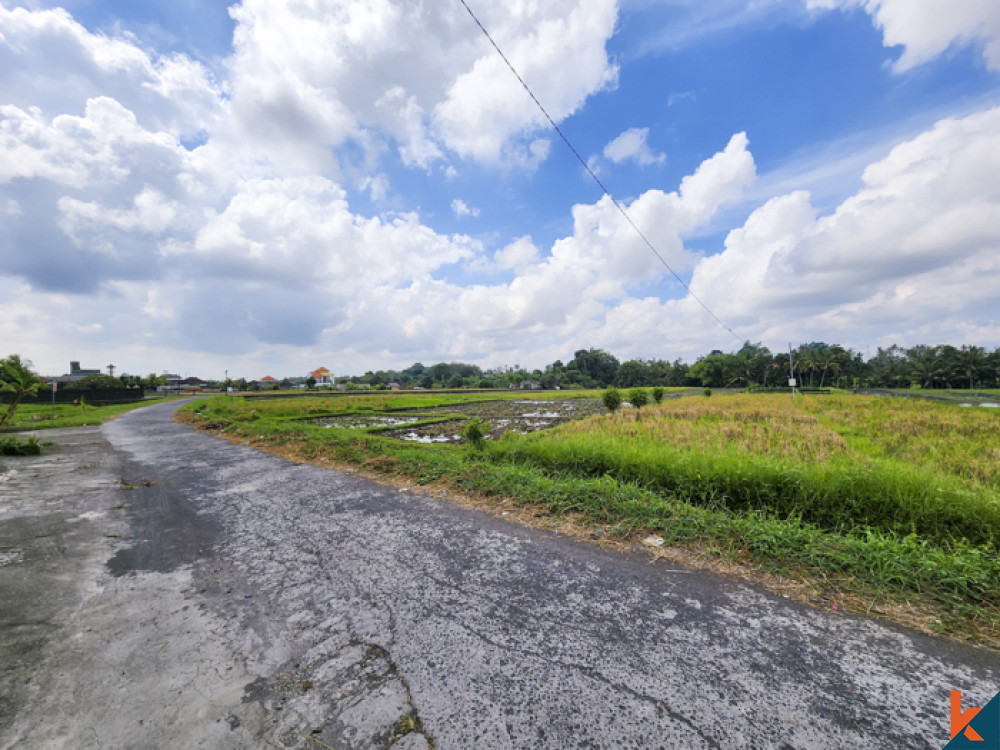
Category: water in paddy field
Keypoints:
(520, 416)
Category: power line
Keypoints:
(619, 206)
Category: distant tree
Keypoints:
(657, 394)
(924, 365)
(95, 383)
(17, 382)
(595, 367)
(972, 362)
(631, 374)
(310, 382)
(441, 372)
(710, 371)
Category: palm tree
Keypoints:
(973, 362)
(806, 362)
(16, 379)
(826, 360)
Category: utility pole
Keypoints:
(791, 370)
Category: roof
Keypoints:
(322, 372)
(268, 379)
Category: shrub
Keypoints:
(475, 432)
(638, 397)
(658, 394)
(707, 392)
(612, 399)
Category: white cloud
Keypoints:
(631, 145)
(52, 63)
(247, 246)
(918, 242)
(461, 208)
(927, 28)
(320, 72)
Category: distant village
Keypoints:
(320, 378)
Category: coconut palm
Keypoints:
(973, 362)
(16, 382)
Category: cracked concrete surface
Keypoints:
(240, 600)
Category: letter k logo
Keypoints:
(960, 720)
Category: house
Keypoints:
(75, 373)
(393, 386)
(268, 380)
(324, 378)
(530, 385)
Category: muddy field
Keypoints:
(502, 416)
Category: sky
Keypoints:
(268, 187)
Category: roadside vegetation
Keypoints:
(40, 417)
(880, 505)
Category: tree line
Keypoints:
(816, 364)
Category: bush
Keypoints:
(707, 392)
(638, 397)
(612, 399)
(475, 432)
(658, 394)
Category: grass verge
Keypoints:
(38, 417)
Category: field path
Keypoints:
(225, 597)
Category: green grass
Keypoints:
(12, 446)
(841, 464)
(870, 498)
(38, 417)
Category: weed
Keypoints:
(475, 432)
(12, 446)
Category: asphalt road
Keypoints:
(164, 588)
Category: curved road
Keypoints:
(165, 588)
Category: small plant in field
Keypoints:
(638, 398)
(407, 723)
(612, 399)
(11, 446)
(657, 394)
(707, 392)
(475, 432)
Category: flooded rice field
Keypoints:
(446, 422)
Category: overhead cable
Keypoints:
(619, 206)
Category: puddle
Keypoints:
(363, 422)
(414, 437)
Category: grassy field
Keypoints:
(886, 506)
(39, 417)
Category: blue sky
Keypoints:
(267, 188)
